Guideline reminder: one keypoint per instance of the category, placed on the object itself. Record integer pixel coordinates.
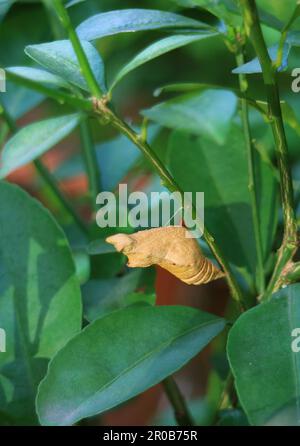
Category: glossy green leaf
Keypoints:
(226, 10)
(280, 10)
(71, 3)
(19, 100)
(229, 12)
(207, 113)
(185, 87)
(221, 173)
(35, 139)
(232, 417)
(121, 355)
(40, 302)
(100, 247)
(293, 38)
(38, 75)
(254, 65)
(103, 296)
(130, 20)
(266, 369)
(288, 113)
(5, 5)
(59, 58)
(157, 49)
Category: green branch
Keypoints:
(90, 159)
(252, 185)
(181, 411)
(81, 56)
(170, 183)
(290, 239)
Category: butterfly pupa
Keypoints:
(171, 248)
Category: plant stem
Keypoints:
(91, 162)
(228, 397)
(89, 154)
(99, 108)
(171, 184)
(290, 239)
(181, 411)
(58, 95)
(51, 182)
(47, 176)
(81, 56)
(252, 185)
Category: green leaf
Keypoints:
(59, 58)
(185, 87)
(280, 10)
(121, 355)
(226, 10)
(103, 296)
(38, 75)
(157, 49)
(266, 369)
(130, 20)
(124, 151)
(221, 173)
(35, 139)
(254, 65)
(19, 100)
(207, 113)
(100, 247)
(82, 266)
(229, 11)
(40, 303)
(73, 3)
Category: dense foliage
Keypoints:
(177, 95)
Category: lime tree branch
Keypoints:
(181, 411)
(81, 56)
(290, 239)
(91, 164)
(251, 171)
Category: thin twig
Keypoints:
(81, 56)
(101, 109)
(252, 185)
(290, 239)
(181, 411)
(47, 176)
(91, 162)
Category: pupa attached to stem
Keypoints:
(171, 248)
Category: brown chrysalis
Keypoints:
(171, 248)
